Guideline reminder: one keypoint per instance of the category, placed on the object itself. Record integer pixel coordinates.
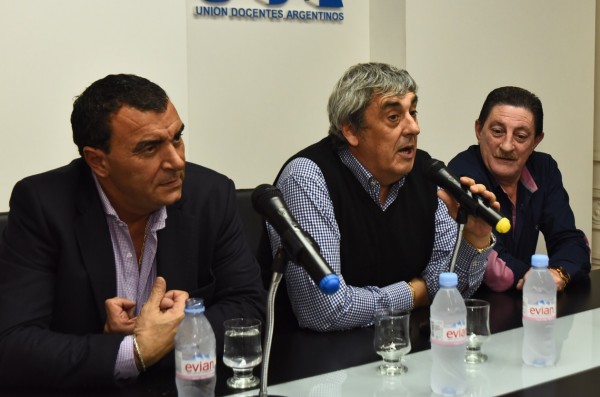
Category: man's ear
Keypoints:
(537, 140)
(96, 160)
(478, 127)
(350, 134)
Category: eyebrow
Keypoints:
(518, 128)
(140, 146)
(388, 103)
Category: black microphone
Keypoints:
(474, 204)
(267, 200)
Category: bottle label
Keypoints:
(541, 310)
(448, 334)
(201, 367)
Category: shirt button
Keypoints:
(129, 255)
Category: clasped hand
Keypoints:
(558, 280)
(157, 323)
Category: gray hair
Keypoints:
(356, 89)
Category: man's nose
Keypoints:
(507, 144)
(174, 157)
(413, 127)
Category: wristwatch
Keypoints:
(565, 277)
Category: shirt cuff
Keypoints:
(125, 367)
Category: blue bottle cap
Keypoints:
(539, 260)
(329, 284)
(448, 279)
(194, 305)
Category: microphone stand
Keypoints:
(279, 263)
(461, 219)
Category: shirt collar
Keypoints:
(157, 219)
(367, 180)
(528, 181)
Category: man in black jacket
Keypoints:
(90, 248)
(529, 187)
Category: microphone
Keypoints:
(267, 200)
(475, 204)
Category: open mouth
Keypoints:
(407, 150)
(172, 183)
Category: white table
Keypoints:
(578, 339)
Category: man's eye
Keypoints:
(178, 137)
(414, 114)
(149, 149)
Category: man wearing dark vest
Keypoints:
(362, 196)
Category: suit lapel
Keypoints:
(95, 244)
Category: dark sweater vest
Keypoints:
(378, 247)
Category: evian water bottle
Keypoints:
(195, 353)
(448, 318)
(539, 314)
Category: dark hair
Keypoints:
(93, 109)
(518, 97)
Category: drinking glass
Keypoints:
(478, 329)
(392, 340)
(242, 351)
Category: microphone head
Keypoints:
(262, 194)
(432, 166)
(503, 226)
(436, 171)
(329, 284)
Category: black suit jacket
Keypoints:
(57, 268)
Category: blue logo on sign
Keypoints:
(330, 3)
(320, 3)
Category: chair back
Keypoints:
(256, 235)
(3, 220)
(251, 220)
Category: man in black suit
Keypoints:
(90, 248)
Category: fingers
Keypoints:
(560, 283)
(120, 303)
(174, 299)
(481, 190)
(179, 297)
(157, 324)
(158, 292)
(477, 232)
(166, 303)
(120, 316)
(520, 284)
(474, 188)
(557, 280)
